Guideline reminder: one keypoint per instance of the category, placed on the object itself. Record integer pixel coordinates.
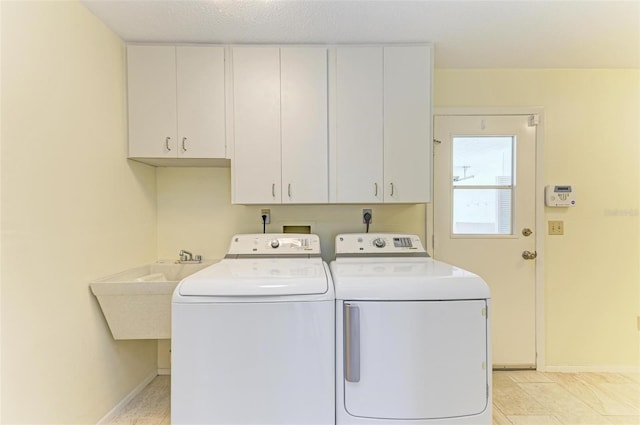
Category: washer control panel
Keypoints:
(274, 243)
(381, 243)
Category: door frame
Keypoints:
(539, 208)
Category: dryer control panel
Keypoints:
(274, 244)
(378, 243)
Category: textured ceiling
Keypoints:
(467, 34)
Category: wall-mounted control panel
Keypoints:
(559, 196)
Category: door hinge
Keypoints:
(534, 120)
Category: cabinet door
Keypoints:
(359, 96)
(151, 75)
(201, 105)
(407, 124)
(305, 165)
(256, 152)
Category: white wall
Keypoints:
(73, 209)
(591, 141)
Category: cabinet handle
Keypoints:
(375, 185)
(289, 190)
(391, 189)
(166, 143)
(184, 144)
(273, 190)
(352, 343)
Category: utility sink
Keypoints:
(137, 301)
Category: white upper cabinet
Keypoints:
(201, 103)
(407, 124)
(176, 101)
(152, 101)
(255, 165)
(280, 125)
(305, 124)
(383, 124)
(359, 121)
(305, 168)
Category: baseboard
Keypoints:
(163, 372)
(592, 368)
(121, 405)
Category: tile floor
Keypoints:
(519, 398)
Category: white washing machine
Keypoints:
(253, 336)
(412, 335)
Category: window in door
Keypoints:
(483, 185)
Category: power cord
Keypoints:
(367, 219)
(264, 223)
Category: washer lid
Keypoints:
(404, 279)
(247, 277)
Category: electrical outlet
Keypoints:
(556, 227)
(364, 211)
(266, 212)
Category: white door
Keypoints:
(484, 220)
(200, 94)
(359, 121)
(407, 134)
(151, 88)
(256, 153)
(408, 360)
(305, 167)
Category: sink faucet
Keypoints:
(187, 257)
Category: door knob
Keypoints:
(528, 255)
(526, 231)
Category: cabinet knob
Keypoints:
(166, 143)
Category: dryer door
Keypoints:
(415, 359)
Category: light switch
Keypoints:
(556, 227)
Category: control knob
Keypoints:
(275, 243)
(379, 243)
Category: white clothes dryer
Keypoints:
(253, 336)
(412, 335)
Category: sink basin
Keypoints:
(137, 302)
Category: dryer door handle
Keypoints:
(352, 343)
